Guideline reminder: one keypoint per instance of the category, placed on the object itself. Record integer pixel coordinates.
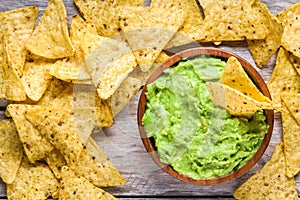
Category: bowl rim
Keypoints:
(256, 78)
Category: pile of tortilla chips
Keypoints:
(62, 82)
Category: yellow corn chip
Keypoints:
(17, 25)
(102, 13)
(284, 77)
(148, 30)
(11, 151)
(50, 39)
(33, 181)
(292, 102)
(130, 2)
(12, 84)
(35, 145)
(232, 20)
(55, 124)
(288, 15)
(235, 77)
(270, 182)
(234, 101)
(262, 50)
(100, 173)
(109, 64)
(291, 139)
(295, 61)
(74, 186)
(124, 93)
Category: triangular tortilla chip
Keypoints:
(11, 151)
(291, 139)
(295, 61)
(50, 39)
(148, 30)
(36, 78)
(17, 25)
(292, 102)
(109, 64)
(33, 181)
(289, 18)
(12, 86)
(100, 173)
(56, 125)
(262, 50)
(270, 181)
(35, 145)
(234, 101)
(235, 77)
(231, 21)
(284, 77)
(74, 186)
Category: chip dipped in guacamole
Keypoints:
(191, 134)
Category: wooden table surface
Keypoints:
(122, 143)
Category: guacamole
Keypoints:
(192, 135)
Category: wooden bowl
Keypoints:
(253, 74)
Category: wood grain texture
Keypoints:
(123, 145)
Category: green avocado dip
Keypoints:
(192, 135)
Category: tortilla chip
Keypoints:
(221, 24)
(74, 186)
(290, 19)
(102, 14)
(35, 145)
(100, 173)
(17, 25)
(124, 93)
(270, 181)
(11, 151)
(284, 77)
(234, 101)
(130, 2)
(235, 77)
(33, 181)
(148, 30)
(291, 139)
(50, 39)
(12, 85)
(295, 61)
(56, 125)
(262, 50)
(109, 64)
(292, 102)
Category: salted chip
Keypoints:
(36, 78)
(292, 102)
(11, 151)
(235, 77)
(50, 39)
(263, 49)
(33, 181)
(109, 64)
(234, 101)
(35, 145)
(221, 24)
(85, 39)
(55, 124)
(74, 186)
(291, 140)
(124, 93)
(271, 181)
(148, 30)
(290, 18)
(295, 61)
(12, 86)
(100, 172)
(102, 13)
(284, 77)
(16, 26)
